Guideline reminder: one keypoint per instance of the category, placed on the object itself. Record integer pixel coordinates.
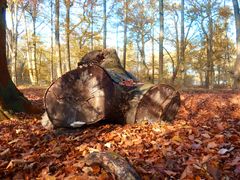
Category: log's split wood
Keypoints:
(101, 89)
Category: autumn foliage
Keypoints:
(202, 143)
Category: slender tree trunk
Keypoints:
(177, 51)
(143, 57)
(182, 51)
(92, 25)
(29, 63)
(13, 36)
(153, 56)
(210, 68)
(16, 41)
(161, 28)
(67, 33)
(125, 34)
(51, 65)
(117, 38)
(10, 97)
(34, 55)
(57, 38)
(236, 71)
(104, 24)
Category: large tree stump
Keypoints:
(101, 89)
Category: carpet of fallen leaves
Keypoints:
(202, 143)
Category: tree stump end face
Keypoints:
(160, 102)
(81, 96)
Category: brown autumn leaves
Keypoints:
(203, 142)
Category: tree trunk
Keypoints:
(34, 55)
(14, 41)
(236, 71)
(143, 57)
(104, 24)
(67, 33)
(161, 33)
(92, 25)
(210, 77)
(51, 59)
(100, 88)
(153, 56)
(177, 50)
(182, 45)
(57, 39)
(125, 34)
(10, 97)
(29, 61)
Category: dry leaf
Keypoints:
(187, 173)
(212, 145)
(205, 135)
(176, 139)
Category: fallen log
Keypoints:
(81, 96)
(113, 163)
(152, 103)
(96, 91)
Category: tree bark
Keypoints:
(153, 56)
(125, 34)
(14, 40)
(210, 76)
(29, 61)
(34, 58)
(51, 58)
(177, 49)
(236, 70)
(57, 38)
(104, 24)
(161, 34)
(182, 43)
(11, 98)
(67, 33)
(92, 25)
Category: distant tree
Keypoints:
(125, 33)
(236, 71)
(207, 12)
(13, 37)
(33, 10)
(182, 41)
(52, 49)
(140, 21)
(68, 5)
(161, 36)
(104, 24)
(57, 37)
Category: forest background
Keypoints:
(185, 43)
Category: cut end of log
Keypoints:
(83, 95)
(160, 102)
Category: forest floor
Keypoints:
(202, 143)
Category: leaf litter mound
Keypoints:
(202, 143)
